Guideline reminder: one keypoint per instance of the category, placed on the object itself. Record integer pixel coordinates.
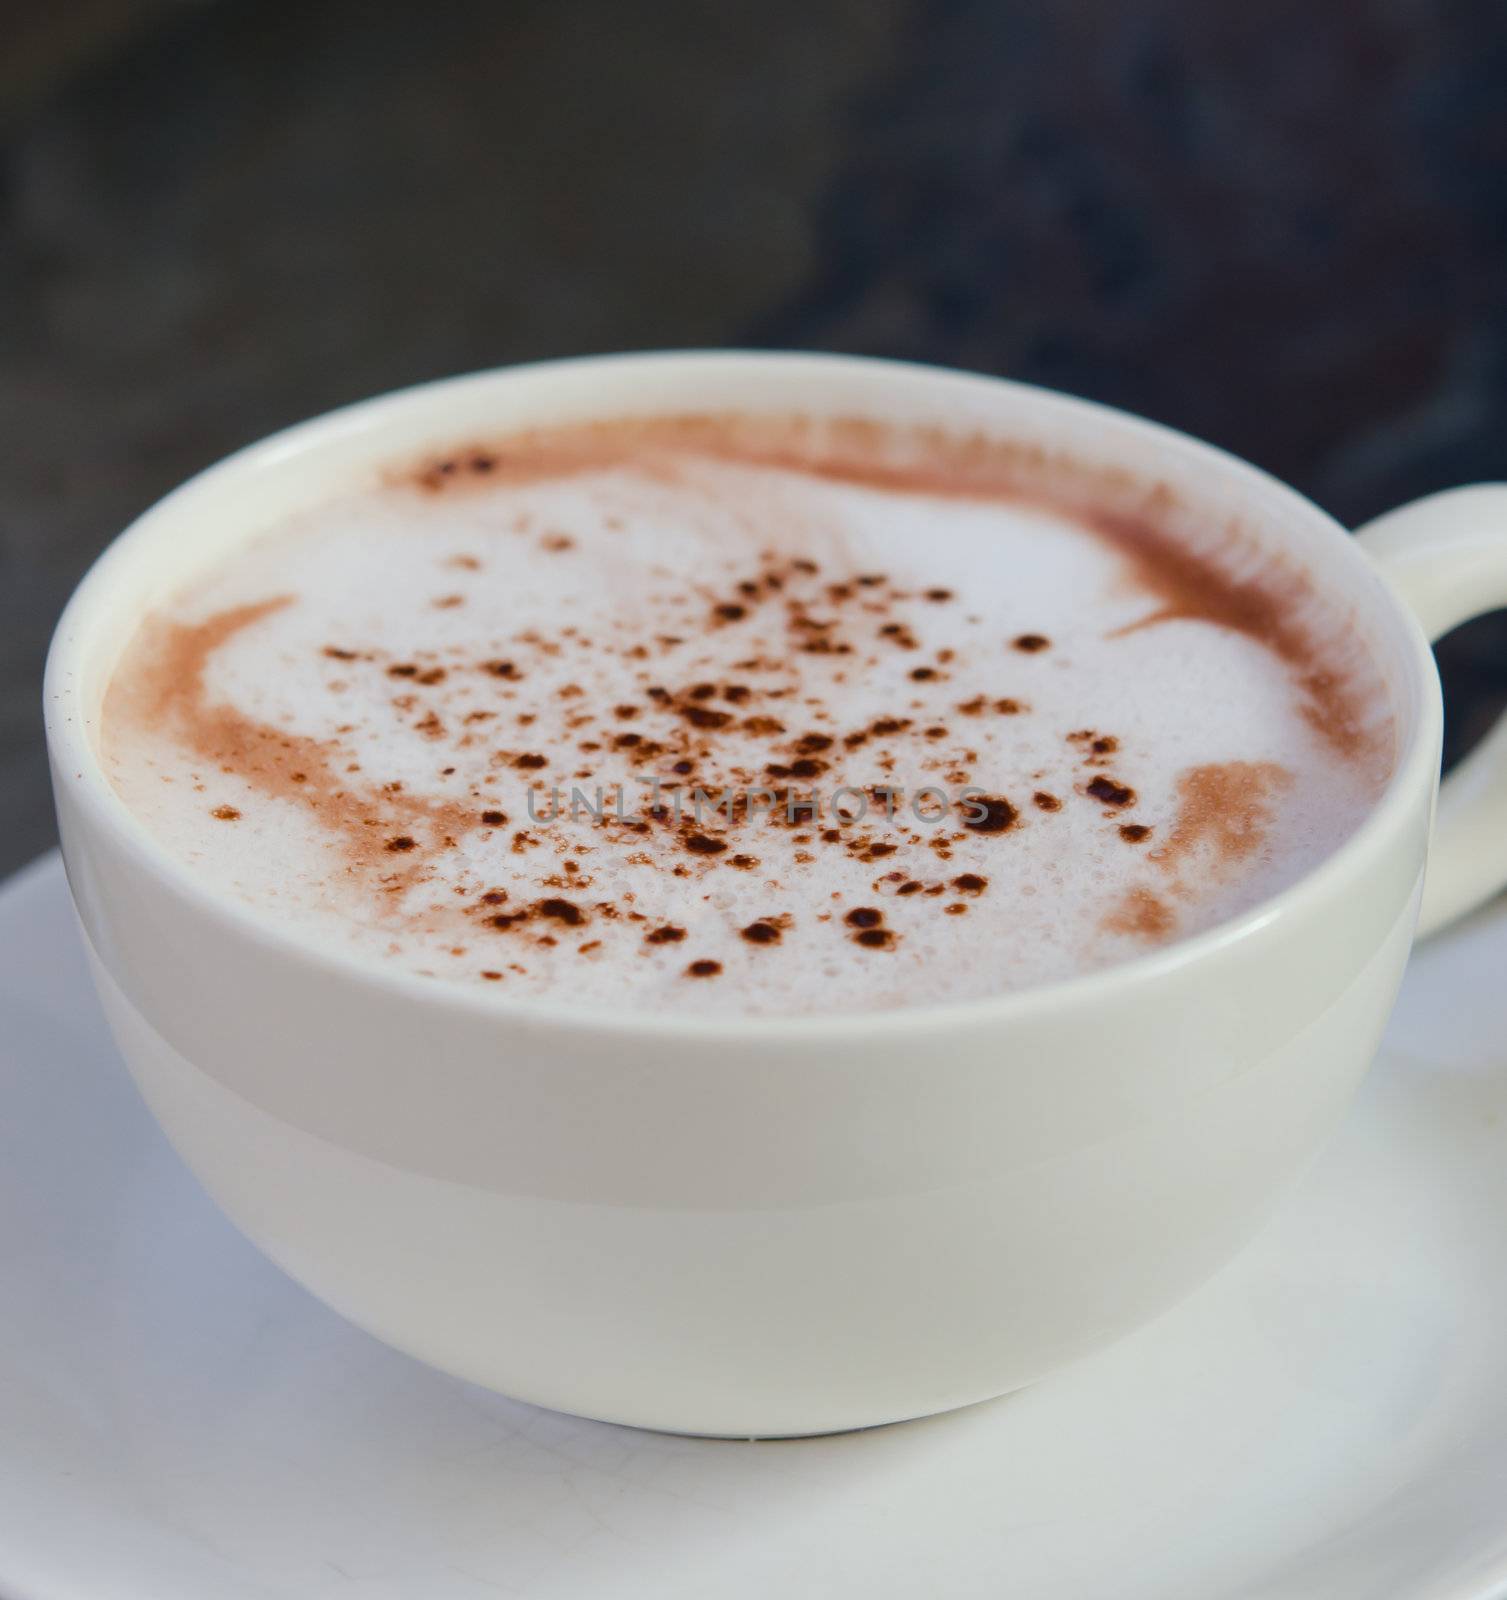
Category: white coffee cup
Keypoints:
(764, 1225)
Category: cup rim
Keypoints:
(76, 766)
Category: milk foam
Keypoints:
(344, 723)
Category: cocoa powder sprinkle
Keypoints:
(562, 911)
(1110, 792)
(704, 717)
(998, 815)
(1222, 814)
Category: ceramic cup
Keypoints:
(767, 1226)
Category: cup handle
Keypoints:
(1446, 556)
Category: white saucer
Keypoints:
(1327, 1420)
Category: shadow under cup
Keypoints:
(723, 1225)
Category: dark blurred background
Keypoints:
(1281, 226)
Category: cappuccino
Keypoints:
(760, 714)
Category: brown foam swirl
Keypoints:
(1142, 914)
(1226, 812)
(1225, 808)
(378, 826)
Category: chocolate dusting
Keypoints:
(394, 836)
(1183, 583)
(936, 461)
(989, 814)
(1111, 792)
